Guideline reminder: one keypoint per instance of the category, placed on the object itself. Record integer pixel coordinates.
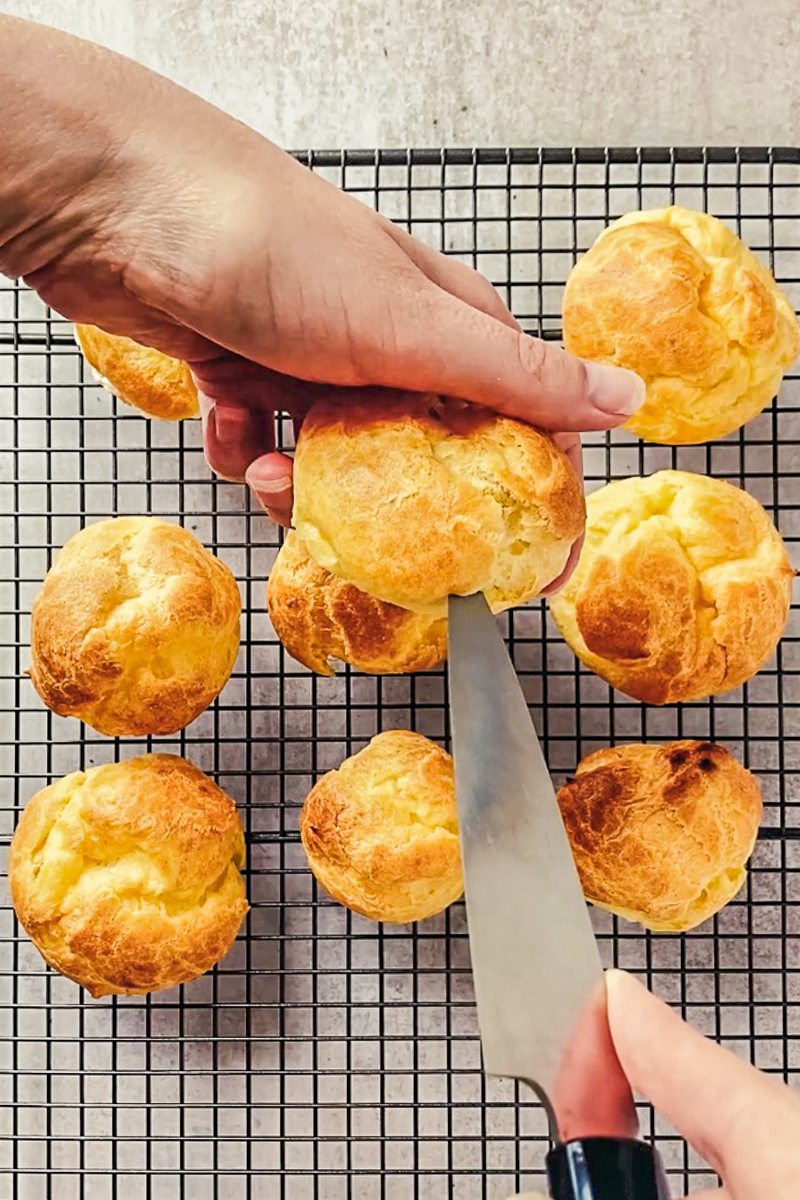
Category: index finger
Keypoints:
(744, 1124)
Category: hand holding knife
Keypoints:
(538, 976)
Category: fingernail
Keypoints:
(270, 487)
(614, 390)
(614, 973)
(265, 484)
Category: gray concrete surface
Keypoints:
(259, 1068)
(479, 72)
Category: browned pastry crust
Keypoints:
(412, 498)
(682, 589)
(136, 627)
(126, 876)
(662, 834)
(318, 616)
(381, 832)
(675, 296)
(141, 376)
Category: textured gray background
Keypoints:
(369, 74)
(479, 72)
(324, 1042)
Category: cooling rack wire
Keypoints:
(328, 1058)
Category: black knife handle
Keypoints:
(605, 1168)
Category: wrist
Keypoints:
(70, 208)
(121, 181)
(61, 134)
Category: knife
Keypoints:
(538, 976)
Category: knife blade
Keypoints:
(534, 955)
(535, 961)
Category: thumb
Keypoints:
(270, 480)
(457, 350)
(744, 1124)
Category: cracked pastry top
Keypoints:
(413, 498)
(136, 628)
(381, 832)
(662, 834)
(127, 876)
(675, 296)
(155, 383)
(319, 617)
(682, 589)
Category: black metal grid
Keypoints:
(328, 1057)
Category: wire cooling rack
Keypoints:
(329, 1058)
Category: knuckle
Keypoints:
(226, 462)
(534, 356)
